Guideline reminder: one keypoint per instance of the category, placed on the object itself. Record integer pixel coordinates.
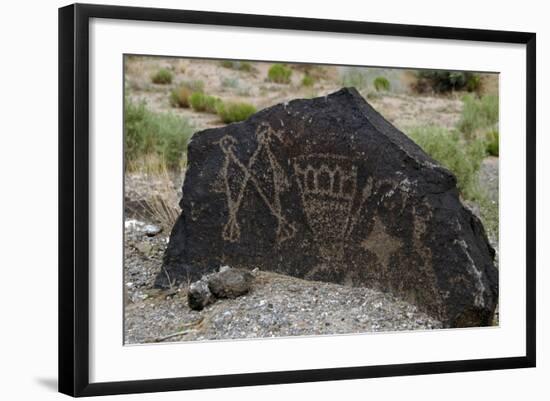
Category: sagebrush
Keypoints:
(279, 73)
(479, 114)
(162, 136)
(462, 157)
(231, 112)
(202, 102)
(179, 96)
(381, 84)
(162, 76)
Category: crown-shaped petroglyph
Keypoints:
(326, 175)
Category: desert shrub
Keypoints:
(211, 103)
(279, 73)
(162, 76)
(478, 114)
(463, 158)
(492, 143)
(446, 81)
(245, 66)
(308, 81)
(202, 102)
(147, 134)
(381, 84)
(230, 112)
(179, 97)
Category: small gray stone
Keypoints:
(199, 295)
(151, 230)
(230, 283)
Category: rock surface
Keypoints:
(326, 189)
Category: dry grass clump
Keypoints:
(159, 203)
(180, 96)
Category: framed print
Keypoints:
(278, 199)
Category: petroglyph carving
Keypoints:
(382, 244)
(328, 188)
(235, 189)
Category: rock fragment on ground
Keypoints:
(230, 283)
(199, 295)
(151, 230)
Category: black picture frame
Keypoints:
(74, 198)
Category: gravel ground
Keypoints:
(276, 306)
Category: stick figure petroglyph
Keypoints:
(265, 136)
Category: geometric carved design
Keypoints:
(328, 187)
(265, 135)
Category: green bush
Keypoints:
(279, 73)
(162, 76)
(446, 81)
(202, 102)
(381, 84)
(308, 81)
(179, 96)
(163, 135)
(461, 157)
(230, 112)
(492, 143)
(478, 114)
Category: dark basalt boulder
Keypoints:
(327, 189)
